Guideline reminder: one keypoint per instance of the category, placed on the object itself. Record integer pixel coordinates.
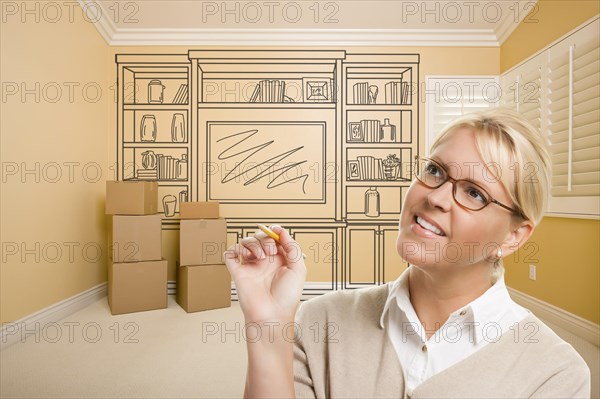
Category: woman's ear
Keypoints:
(521, 232)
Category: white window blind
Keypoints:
(522, 90)
(530, 89)
(509, 84)
(449, 97)
(558, 90)
(573, 90)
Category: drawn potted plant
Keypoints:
(390, 167)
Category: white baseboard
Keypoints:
(311, 289)
(171, 287)
(12, 332)
(568, 321)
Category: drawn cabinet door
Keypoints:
(234, 235)
(319, 246)
(361, 256)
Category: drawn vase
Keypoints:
(149, 160)
(372, 202)
(178, 131)
(169, 205)
(372, 94)
(148, 129)
(388, 131)
(156, 92)
(183, 196)
(182, 168)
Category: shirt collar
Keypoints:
(486, 308)
(398, 291)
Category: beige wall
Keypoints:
(566, 254)
(59, 134)
(565, 251)
(550, 20)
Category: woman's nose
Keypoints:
(441, 197)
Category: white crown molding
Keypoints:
(492, 37)
(12, 332)
(568, 321)
(299, 37)
(105, 26)
(507, 26)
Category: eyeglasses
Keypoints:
(467, 194)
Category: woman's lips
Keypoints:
(420, 231)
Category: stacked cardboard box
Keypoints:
(203, 281)
(137, 273)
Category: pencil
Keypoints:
(272, 234)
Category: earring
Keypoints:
(499, 253)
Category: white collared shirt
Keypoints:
(467, 330)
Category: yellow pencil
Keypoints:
(272, 234)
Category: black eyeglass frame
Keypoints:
(453, 181)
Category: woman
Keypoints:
(447, 326)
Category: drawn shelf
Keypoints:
(380, 134)
(379, 86)
(155, 107)
(378, 164)
(160, 126)
(245, 78)
(176, 182)
(379, 127)
(161, 144)
(378, 107)
(267, 105)
(155, 84)
(390, 200)
(379, 182)
(161, 163)
(153, 122)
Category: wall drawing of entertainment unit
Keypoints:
(321, 142)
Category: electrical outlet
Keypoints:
(532, 273)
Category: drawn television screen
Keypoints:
(266, 162)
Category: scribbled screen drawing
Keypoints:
(262, 162)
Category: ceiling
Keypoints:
(307, 22)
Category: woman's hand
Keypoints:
(269, 277)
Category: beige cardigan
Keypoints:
(342, 352)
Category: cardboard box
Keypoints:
(199, 210)
(131, 198)
(203, 287)
(202, 241)
(136, 238)
(137, 286)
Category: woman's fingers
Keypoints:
(232, 258)
(252, 249)
(261, 246)
(269, 245)
(257, 247)
(271, 287)
(291, 249)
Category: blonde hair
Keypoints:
(505, 140)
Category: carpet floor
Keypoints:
(164, 353)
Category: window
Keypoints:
(558, 90)
(448, 97)
(574, 114)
